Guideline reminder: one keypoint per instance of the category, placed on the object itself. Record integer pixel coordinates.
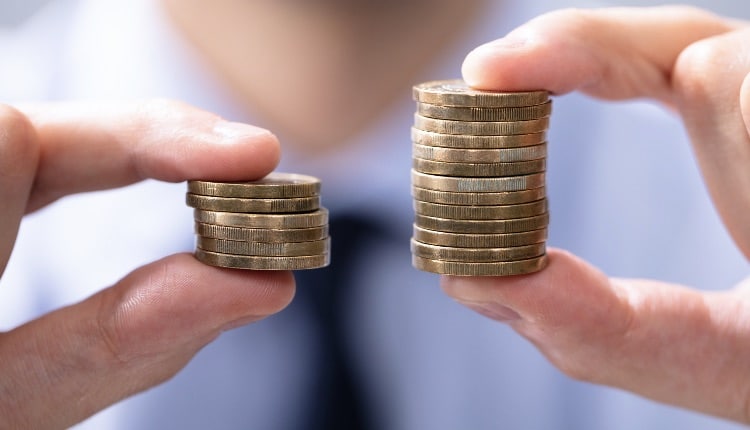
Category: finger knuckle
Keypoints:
(698, 69)
(19, 149)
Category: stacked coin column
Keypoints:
(275, 223)
(478, 180)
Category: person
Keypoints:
(428, 364)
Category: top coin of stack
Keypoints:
(478, 180)
(275, 223)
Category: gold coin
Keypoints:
(502, 155)
(255, 262)
(482, 226)
(477, 185)
(467, 141)
(264, 221)
(274, 185)
(516, 113)
(456, 92)
(261, 234)
(481, 128)
(233, 204)
(267, 249)
(516, 168)
(438, 210)
(468, 240)
(498, 268)
(478, 199)
(476, 255)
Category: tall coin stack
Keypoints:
(275, 223)
(478, 180)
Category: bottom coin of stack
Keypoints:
(275, 223)
(478, 180)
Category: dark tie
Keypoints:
(337, 400)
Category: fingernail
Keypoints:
(234, 130)
(494, 311)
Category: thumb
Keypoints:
(73, 362)
(662, 341)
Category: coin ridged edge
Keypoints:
(455, 92)
(502, 268)
(264, 249)
(468, 141)
(462, 212)
(476, 255)
(485, 240)
(261, 234)
(477, 185)
(317, 218)
(478, 199)
(480, 128)
(482, 226)
(472, 113)
(495, 155)
(243, 205)
(516, 168)
(262, 263)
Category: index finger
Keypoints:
(612, 53)
(87, 147)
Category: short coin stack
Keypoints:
(478, 180)
(275, 223)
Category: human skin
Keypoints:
(67, 365)
(663, 341)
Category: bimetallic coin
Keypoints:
(264, 221)
(482, 226)
(486, 240)
(520, 113)
(501, 155)
(498, 268)
(478, 199)
(456, 92)
(233, 204)
(516, 168)
(261, 234)
(467, 141)
(274, 185)
(255, 262)
(461, 212)
(476, 255)
(477, 185)
(267, 249)
(480, 128)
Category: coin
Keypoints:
(255, 262)
(478, 199)
(462, 212)
(516, 168)
(485, 240)
(261, 234)
(477, 185)
(515, 113)
(268, 221)
(456, 92)
(498, 268)
(476, 255)
(502, 155)
(268, 249)
(477, 142)
(481, 128)
(482, 226)
(233, 204)
(273, 185)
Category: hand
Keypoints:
(663, 341)
(77, 360)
